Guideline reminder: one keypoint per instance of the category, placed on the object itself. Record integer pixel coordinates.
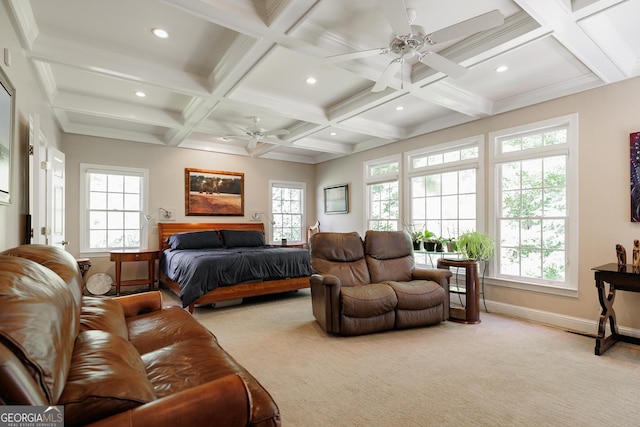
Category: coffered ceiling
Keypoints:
(228, 61)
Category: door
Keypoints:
(55, 197)
(37, 182)
(46, 188)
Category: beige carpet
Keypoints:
(502, 372)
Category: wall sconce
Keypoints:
(168, 214)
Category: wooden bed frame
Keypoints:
(224, 293)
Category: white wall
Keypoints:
(29, 100)
(607, 116)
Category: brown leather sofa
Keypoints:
(123, 361)
(360, 287)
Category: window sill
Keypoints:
(533, 287)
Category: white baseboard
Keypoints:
(570, 323)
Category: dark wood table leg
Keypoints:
(606, 302)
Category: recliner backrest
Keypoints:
(389, 255)
(341, 255)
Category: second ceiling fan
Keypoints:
(257, 134)
(411, 41)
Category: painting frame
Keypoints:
(213, 192)
(634, 157)
(7, 135)
(336, 199)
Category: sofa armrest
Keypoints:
(136, 304)
(223, 402)
(438, 275)
(325, 301)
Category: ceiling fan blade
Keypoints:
(470, 26)
(276, 132)
(355, 55)
(442, 64)
(396, 13)
(386, 76)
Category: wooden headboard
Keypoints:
(166, 229)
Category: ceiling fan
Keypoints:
(257, 134)
(411, 41)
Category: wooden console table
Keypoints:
(148, 256)
(623, 278)
(471, 312)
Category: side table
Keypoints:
(471, 313)
(621, 278)
(147, 255)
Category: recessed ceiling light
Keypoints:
(399, 108)
(333, 134)
(159, 32)
(502, 69)
(141, 94)
(311, 80)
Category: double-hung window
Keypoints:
(382, 180)
(535, 195)
(112, 207)
(443, 189)
(287, 210)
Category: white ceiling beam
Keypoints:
(82, 104)
(113, 65)
(553, 14)
(446, 94)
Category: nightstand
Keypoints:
(141, 255)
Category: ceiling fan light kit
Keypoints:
(409, 41)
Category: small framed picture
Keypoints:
(336, 199)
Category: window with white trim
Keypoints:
(112, 207)
(287, 211)
(535, 174)
(443, 189)
(382, 180)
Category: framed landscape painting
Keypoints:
(7, 118)
(214, 193)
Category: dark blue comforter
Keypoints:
(199, 271)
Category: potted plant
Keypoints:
(451, 244)
(430, 241)
(476, 245)
(416, 238)
(440, 244)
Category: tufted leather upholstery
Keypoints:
(360, 287)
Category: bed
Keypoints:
(172, 276)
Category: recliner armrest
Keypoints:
(223, 402)
(325, 279)
(136, 304)
(438, 275)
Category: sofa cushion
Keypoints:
(418, 294)
(367, 300)
(341, 255)
(39, 321)
(107, 376)
(103, 314)
(161, 328)
(57, 260)
(389, 255)
(195, 240)
(191, 362)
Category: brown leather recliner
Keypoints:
(360, 287)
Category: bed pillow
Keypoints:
(242, 238)
(195, 240)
